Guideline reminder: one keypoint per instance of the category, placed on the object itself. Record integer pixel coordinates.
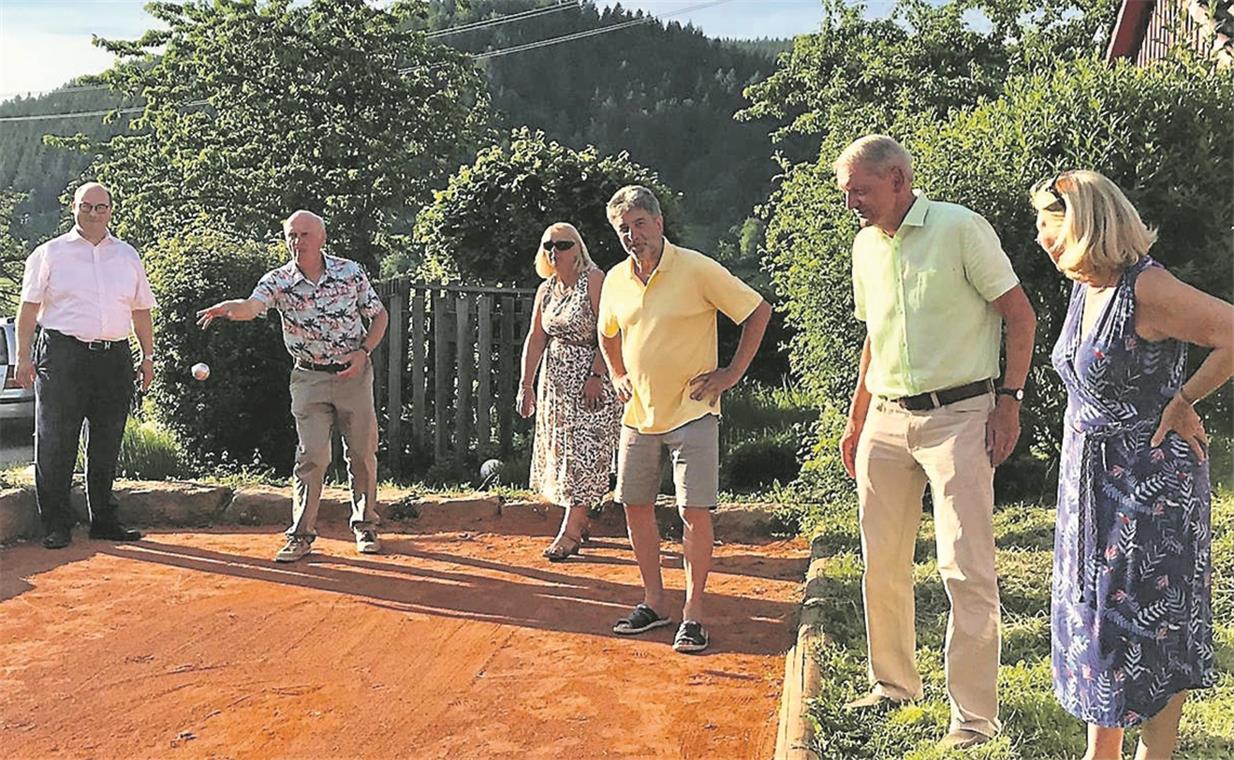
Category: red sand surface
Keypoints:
(460, 645)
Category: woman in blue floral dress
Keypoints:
(1131, 613)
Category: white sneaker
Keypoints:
(367, 542)
(295, 548)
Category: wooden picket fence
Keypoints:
(447, 373)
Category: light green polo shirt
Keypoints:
(668, 332)
(925, 298)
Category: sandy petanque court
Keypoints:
(463, 645)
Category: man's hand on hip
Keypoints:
(709, 385)
(355, 362)
(624, 388)
(1002, 429)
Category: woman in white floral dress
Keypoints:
(579, 416)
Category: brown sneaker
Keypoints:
(962, 738)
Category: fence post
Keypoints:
(484, 377)
(394, 385)
(505, 368)
(419, 412)
(462, 394)
(441, 376)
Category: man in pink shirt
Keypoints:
(87, 290)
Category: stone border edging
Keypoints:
(192, 504)
(801, 672)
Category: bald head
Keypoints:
(306, 218)
(304, 233)
(92, 210)
(94, 190)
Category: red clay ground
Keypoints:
(448, 645)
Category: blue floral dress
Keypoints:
(1132, 588)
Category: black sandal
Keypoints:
(641, 619)
(691, 637)
(562, 548)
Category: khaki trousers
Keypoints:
(320, 400)
(898, 454)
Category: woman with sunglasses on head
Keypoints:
(1131, 598)
(578, 415)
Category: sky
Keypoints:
(44, 43)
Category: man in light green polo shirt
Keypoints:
(932, 284)
(657, 326)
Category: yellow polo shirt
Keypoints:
(668, 332)
(925, 298)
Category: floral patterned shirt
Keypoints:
(322, 320)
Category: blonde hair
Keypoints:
(582, 259)
(1099, 232)
(878, 153)
(629, 198)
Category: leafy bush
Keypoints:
(486, 224)
(242, 412)
(758, 462)
(1083, 114)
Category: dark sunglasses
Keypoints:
(561, 245)
(1058, 185)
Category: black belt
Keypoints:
(925, 401)
(90, 345)
(332, 368)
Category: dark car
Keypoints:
(16, 402)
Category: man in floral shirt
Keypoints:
(323, 301)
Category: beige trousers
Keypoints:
(319, 401)
(898, 454)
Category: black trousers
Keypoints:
(74, 384)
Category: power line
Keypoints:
(476, 57)
(496, 21)
(501, 20)
(118, 112)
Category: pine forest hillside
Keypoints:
(662, 92)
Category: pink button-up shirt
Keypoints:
(85, 290)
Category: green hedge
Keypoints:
(241, 414)
(1162, 133)
(486, 224)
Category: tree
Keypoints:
(916, 65)
(485, 225)
(12, 252)
(1143, 128)
(241, 413)
(258, 107)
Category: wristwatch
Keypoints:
(1015, 393)
(147, 358)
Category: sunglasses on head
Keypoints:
(560, 245)
(1058, 185)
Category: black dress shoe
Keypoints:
(115, 533)
(57, 538)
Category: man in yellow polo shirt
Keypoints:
(657, 327)
(932, 284)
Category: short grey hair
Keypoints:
(321, 223)
(632, 197)
(879, 153)
(88, 186)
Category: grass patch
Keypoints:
(1034, 725)
(148, 451)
